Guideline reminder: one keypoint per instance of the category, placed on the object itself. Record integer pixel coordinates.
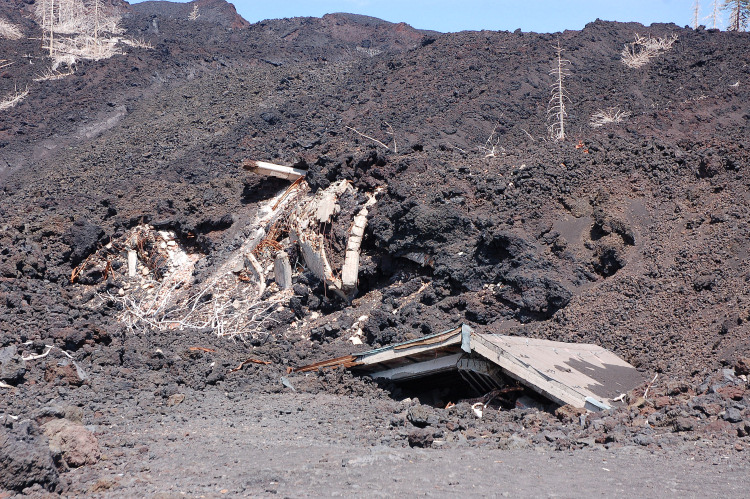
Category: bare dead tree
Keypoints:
(51, 27)
(739, 13)
(556, 112)
(696, 13)
(195, 13)
(12, 99)
(9, 31)
(96, 22)
(78, 29)
(643, 49)
(715, 16)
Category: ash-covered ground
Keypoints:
(632, 235)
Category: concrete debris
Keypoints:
(581, 375)
(230, 300)
(132, 263)
(478, 409)
(350, 269)
(158, 290)
(306, 231)
(160, 257)
(285, 381)
(282, 270)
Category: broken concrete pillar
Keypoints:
(282, 270)
(314, 254)
(350, 269)
(132, 263)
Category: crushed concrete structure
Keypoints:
(582, 375)
(311, 219)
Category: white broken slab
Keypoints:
(132, 263)
(282, 270)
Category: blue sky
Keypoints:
(457, 15)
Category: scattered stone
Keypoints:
(644, 439)
(421, 438)
(733, 415)
(742, 366)
(12, 366)
(214, 377)
(684, 424)
(25, 458)
(514, 442)
(82, 238)
(63, 372)
(731, 392)
(421, 416)
(569, 414)
(554, 436)
(719, 427)
(661, 402)
(176, 399)
(677, 387)
(73, 442)
(69, 338)
(103, 485)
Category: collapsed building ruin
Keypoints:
(236, 300)
(581, 375)
(294, 227)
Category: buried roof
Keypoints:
(582, 375)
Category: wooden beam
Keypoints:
(420, 369)
(273, 170)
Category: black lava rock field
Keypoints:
(632, 233)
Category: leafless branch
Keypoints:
(643, 49)
(367, 137)
(607, 116)
(12, 99)
(9, 31)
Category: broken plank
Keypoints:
(346, 361)
(273, 170)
